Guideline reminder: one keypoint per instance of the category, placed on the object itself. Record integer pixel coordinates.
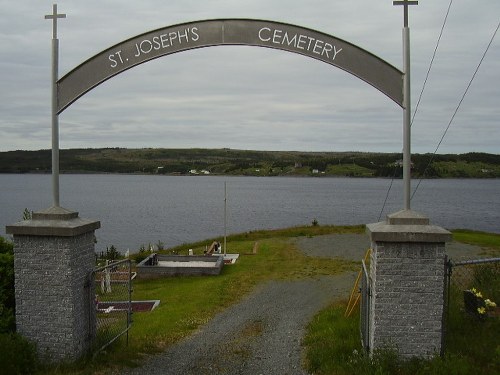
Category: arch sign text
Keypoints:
(270, 34)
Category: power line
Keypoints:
(456, 109)
(387, 195)
(430, 65)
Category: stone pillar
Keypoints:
(407, 271)
(53, 257)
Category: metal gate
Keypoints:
(364, 318)
(111, 292)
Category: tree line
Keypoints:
(254, 163)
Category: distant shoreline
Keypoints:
(239, 175)
(231, 162)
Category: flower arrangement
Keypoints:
(482, 304)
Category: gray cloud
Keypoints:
(245, 97)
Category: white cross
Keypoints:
(405, 3)
(54, 16)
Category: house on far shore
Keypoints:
(399, 163)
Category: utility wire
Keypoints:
(456, 109)
(419, 99)
(430, 65)
(387, 195)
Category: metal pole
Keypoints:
(55, 124)
(55, 117)
(407, 102)
(406, 119)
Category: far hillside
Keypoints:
(251, 163)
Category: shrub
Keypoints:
(111, 253)
(142, 254)
(7, 296)
(17, 355)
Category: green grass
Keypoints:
(189, 302)
(352, 170)
(333, 348)
(466, 169)
(472, 346)
(258, 235)
(491, 241)
(332, 342)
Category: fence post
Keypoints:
(446, 317)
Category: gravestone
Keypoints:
(53, 258)
(407, 277)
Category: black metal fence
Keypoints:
(112, 305)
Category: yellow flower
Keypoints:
(476, 293)
(481, 310)
(489, 303)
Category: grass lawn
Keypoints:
(332, 343)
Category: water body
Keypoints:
(137, 209)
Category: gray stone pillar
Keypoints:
(407, 271)
(53, 256)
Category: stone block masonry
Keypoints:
(407, 271)
(53, 257)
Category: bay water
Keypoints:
(137, 210)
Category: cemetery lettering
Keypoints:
(299, 41)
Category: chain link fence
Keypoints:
(112, 306)
(473, 287)
(479, 278)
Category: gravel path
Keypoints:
(260, 335)
(263, 333)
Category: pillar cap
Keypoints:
(407, 217)
(53, 221)
(407, 226)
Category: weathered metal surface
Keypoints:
(270, 34)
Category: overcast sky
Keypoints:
(250, 97)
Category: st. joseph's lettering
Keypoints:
(156, 43)
(299, 41)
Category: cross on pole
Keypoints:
(54, 16)
(55, 117)
(405, 3)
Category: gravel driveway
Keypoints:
(263, 333)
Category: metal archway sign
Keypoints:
(186, 36)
